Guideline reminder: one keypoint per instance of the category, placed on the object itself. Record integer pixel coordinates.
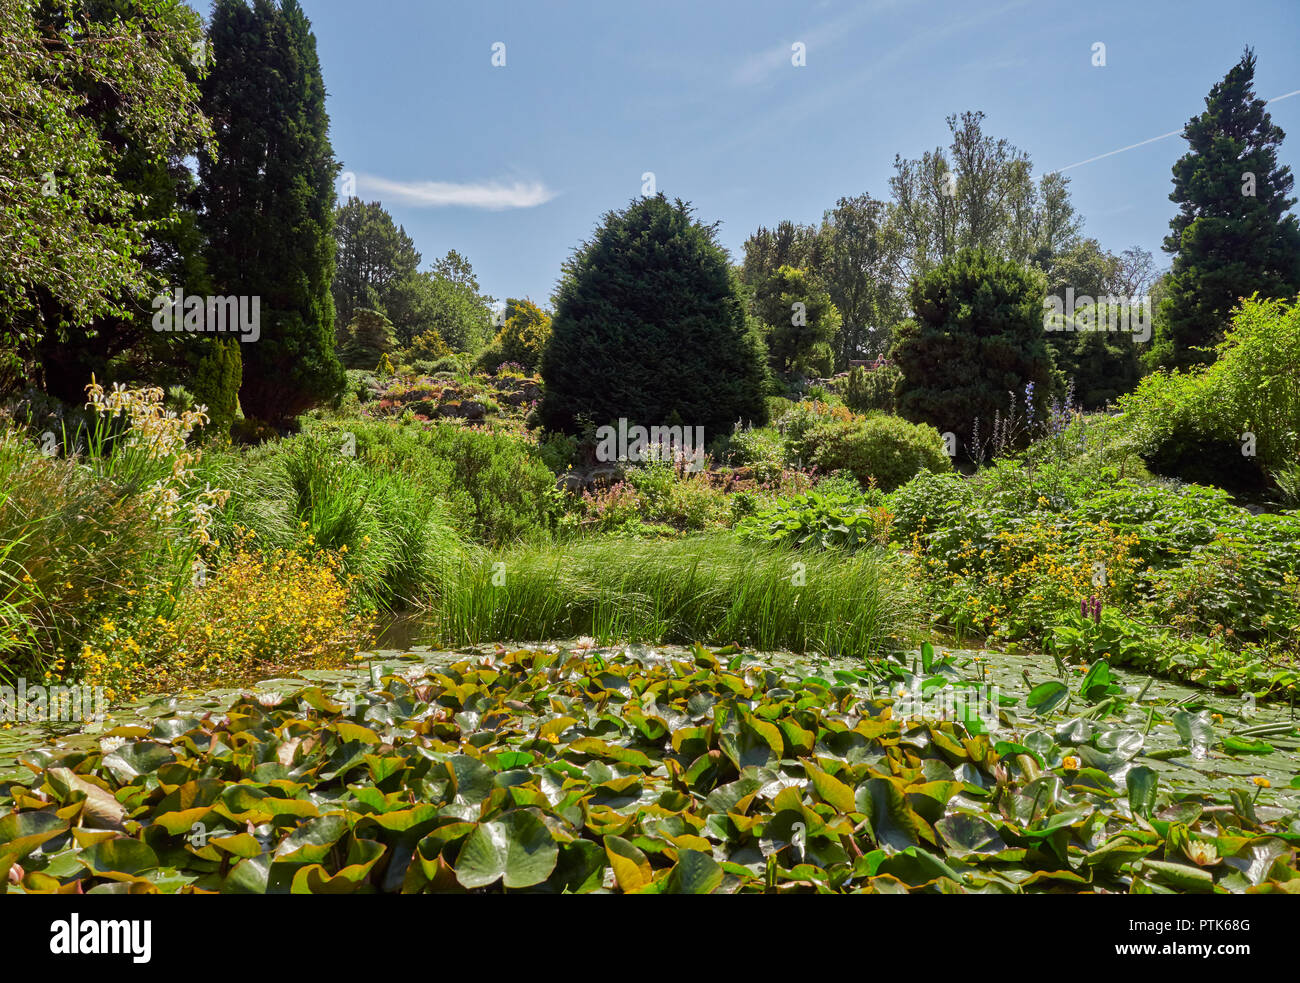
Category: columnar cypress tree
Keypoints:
(268, 197)
(1232, 235)
(650, 325)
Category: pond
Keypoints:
(1196, 739)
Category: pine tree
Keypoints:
(374, 255)
(974, 344)
(268, 197)
(367, 337)
(1232, 236)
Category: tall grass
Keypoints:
(397, 542)
(711, 588)
(72, 546)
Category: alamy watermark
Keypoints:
(919, 703)
(637, 445)
(1110, 312)
(75, 704)
(178, 312)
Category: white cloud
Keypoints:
(757, 68)
(491, 195)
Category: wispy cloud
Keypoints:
(491, 195)
(900, 54)
(758, 67)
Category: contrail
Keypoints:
(1163, 136)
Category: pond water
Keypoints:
(1177, 730)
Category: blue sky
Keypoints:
(513, 165)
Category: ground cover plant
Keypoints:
(577, 770)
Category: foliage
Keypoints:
(803, 416)
(616, 508)
(1240, 412)
(885, 451)
(497, 486)
(1103, 364)
(978, 194)
(710, 586)
(761, 449)
(130, 514)
(763, 779)
(872, 390)
(1256, 380)
(927, 501)
(269, 215)
(523, 337)
(255, 610)
(216, 384)
(305, 493)
(367, 338)
(822, 519)
(977, 334)
(374, 257)
(801, 323)
(428, 346)
(649, 326)
(863, 251)
(1233, 235)
(79, 216)
(445, 299)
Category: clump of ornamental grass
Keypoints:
(711, 587)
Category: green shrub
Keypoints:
(650, 325)
(977, 334)
(364, 341)
(762, 449)
(216, 385)
(1178, 426)
(498, 486)
(558, 451)
(427, 346)
(1256, 380)
(523, 337)
(806, 414)
(71, 545)
(869, 390)
(929, 500)
(887, 449)
(684, 499)
(459, 364)
(395, 539)
(822, 519)
(1103, 364)
(1231, 421)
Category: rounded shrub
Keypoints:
(887, 449)
(977, 335)
(927, 501)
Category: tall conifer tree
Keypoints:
(268, 197)
(1233, 234)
